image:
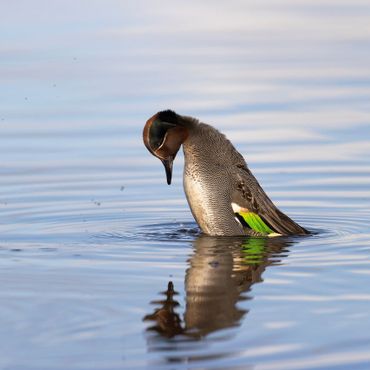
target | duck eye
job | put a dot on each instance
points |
(157, 133)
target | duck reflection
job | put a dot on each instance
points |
(221, 273)
(167, 321)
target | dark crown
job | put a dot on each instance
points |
(168, 116)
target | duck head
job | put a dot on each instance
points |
(163, 135)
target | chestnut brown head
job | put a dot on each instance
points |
(163, 135)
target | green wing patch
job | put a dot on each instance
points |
(253, 250)
(255, 222)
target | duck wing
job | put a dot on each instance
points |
(254, 208)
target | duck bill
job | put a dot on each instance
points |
(168, 164)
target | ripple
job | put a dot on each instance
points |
(336, 226)
(170, 232)
(91, 236)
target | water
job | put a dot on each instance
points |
(102, 265)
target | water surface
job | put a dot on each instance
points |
(101, 263)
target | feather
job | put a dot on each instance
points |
(255, 222)
(256, 208)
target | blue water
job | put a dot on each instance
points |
(101, 263)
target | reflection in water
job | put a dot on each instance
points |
(221, 270)
(168, 322)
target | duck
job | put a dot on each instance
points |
(223, 195)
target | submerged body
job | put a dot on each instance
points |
(223, 195)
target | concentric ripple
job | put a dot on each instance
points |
(101, 263)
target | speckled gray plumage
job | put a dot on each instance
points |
(215, 175)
